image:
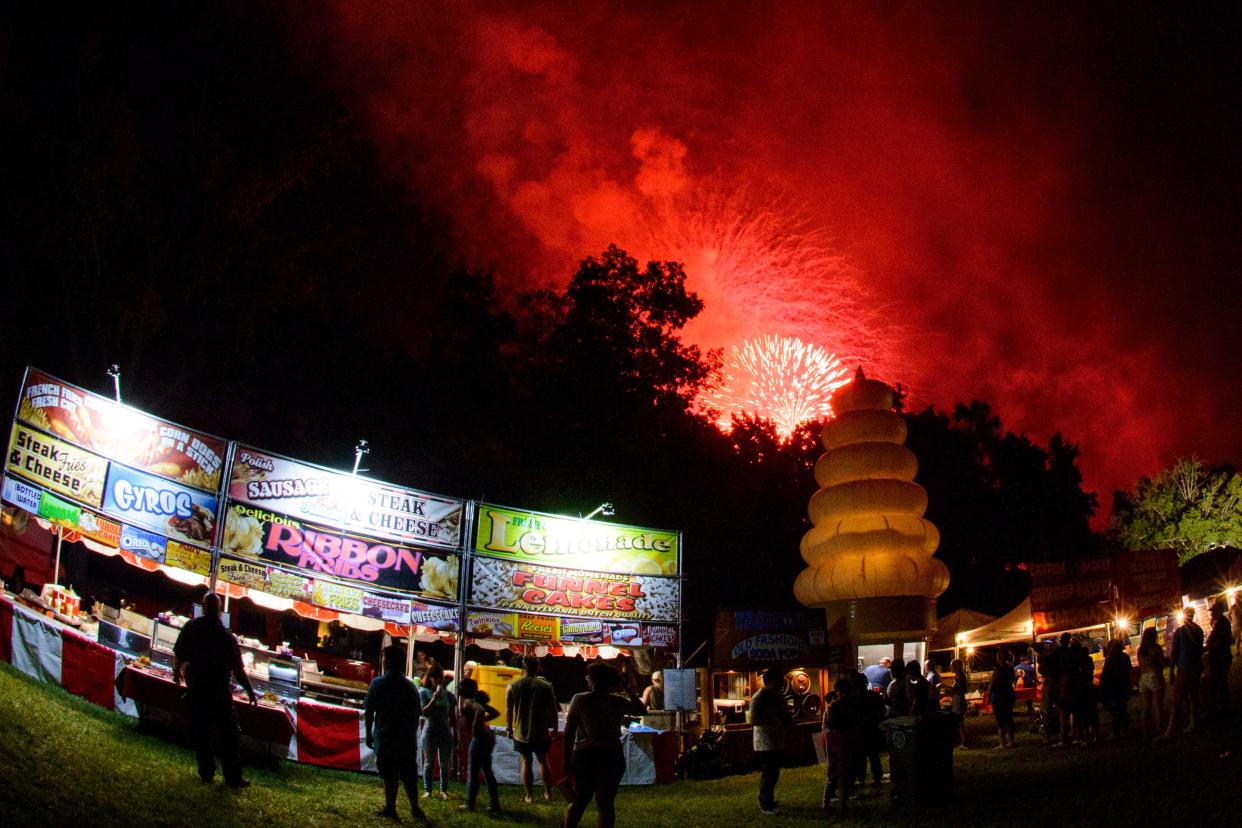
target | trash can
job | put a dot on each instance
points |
(920, 757)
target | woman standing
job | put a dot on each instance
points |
(1151, 682)
(957, 697)
(1002, 696)
(435, 741)
(477, 712)
(593, 743)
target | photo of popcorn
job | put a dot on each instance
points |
(439, 577)
(243, 534)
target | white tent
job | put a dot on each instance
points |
(958, 622)
(1014, 625)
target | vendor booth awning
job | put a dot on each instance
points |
(1014, 625)
(957, 623)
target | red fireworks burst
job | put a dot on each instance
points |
(777, 378)
(762, 266)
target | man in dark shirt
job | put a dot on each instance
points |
(879, 675)
(1219, 646)
(392, 710)
(208, 654)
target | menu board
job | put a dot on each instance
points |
(343, 501)
(1148, 582)
(508, 585)
(121, 433)
(552, 540)
(680, 692)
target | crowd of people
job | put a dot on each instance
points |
(1062, 675)
(413, 724)
(595, 762)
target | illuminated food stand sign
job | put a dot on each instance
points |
(553, 540)
(109, 462)
(331, 526)
(343, 501)
(538, 577)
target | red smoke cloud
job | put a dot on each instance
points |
(969, 198)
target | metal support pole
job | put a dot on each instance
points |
(463, 587)
(217, 540)
(60, 534)
(678, 723)
(363, 448)
(409, 650)
(114, 371)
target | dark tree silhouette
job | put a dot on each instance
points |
(1000, 501)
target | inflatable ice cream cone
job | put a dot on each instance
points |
(869, 551)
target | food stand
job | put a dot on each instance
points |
(568, 588)
(749, 642)
(318, 569)
(274, 536)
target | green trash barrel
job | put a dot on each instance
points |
(920, 757)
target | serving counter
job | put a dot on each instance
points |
(267, 721)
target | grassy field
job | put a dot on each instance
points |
(63, 760)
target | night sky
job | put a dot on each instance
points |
(1033, 204)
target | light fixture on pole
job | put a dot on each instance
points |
(359, 450)
(114, 371)
(604, 509)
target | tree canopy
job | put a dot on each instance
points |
(1000, 500)
(1190, 507)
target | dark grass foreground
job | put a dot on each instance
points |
(65, 761)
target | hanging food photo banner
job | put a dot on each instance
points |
(62, 513)
(344, 501)
(56, 465)
(523, 626)
(300, 586)
(160, 505)
(252, 532)
(508, 585)
(118, 432)
(189, 558)
(436, 616)
(551, 540)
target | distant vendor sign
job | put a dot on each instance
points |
(753, 639)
